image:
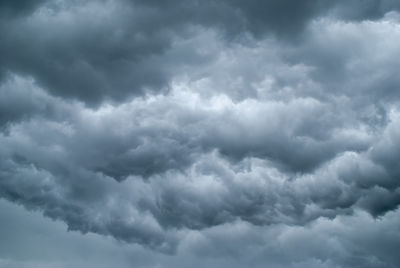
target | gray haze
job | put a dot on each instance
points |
(228, 133)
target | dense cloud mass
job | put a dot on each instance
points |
(200, 133)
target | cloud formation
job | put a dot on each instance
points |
(217, 129)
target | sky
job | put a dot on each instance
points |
(188, 133)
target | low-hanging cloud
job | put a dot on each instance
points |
(174, 126)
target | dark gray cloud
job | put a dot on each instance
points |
(97, 50)
(201, 133)
(15, 8)
(216, 247)
(73, 54)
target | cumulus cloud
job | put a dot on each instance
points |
(214, 129)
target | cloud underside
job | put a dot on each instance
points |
(173, 126)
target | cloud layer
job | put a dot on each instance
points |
(215, 132)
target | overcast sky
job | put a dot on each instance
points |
(199, 133)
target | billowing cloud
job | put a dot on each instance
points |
(97, 50)
(216, 132)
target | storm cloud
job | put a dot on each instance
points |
(200, 133)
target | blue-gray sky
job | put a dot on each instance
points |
(199, 133)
